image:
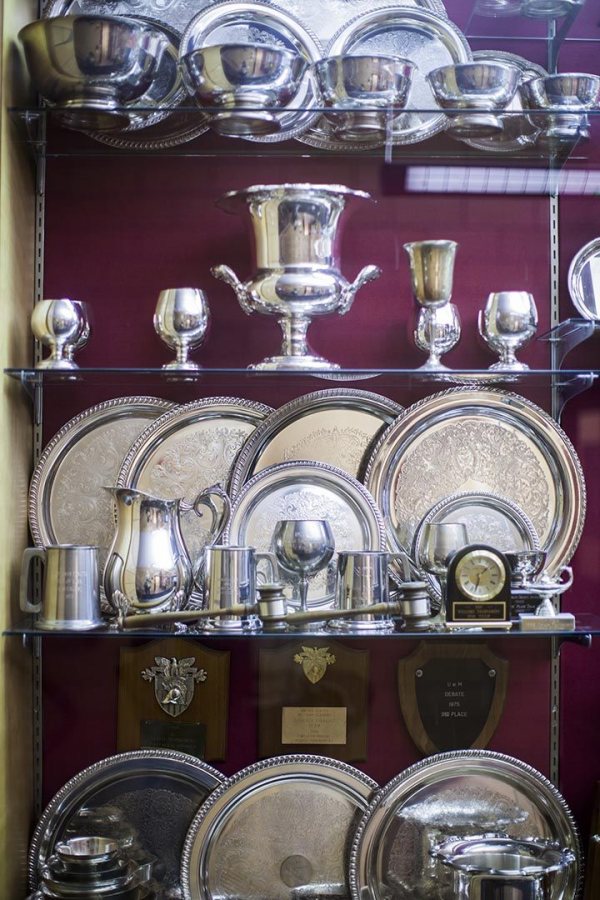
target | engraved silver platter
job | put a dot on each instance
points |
(307, 490)
(261, 22)
(336, 427)
(458, 794)
(188, 449)
(274, 826)
(425, 38)
(158, 792)
(467, 439)
(584, 280)
(518, 132)
(67, 500)
(490, 519)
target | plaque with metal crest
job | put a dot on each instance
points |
(452, 695)
(312, 698)
(174, 694)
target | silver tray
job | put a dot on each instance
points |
(274, 826)
(426, 38)
(584, 280)
(188, 449)
(158, 792)
(489, 440)
(458, 794)
(336, 427)
(307, 490)
(490, 519)
(258, 21)
(67, 500)
(519, 132)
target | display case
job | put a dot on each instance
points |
(114, 224)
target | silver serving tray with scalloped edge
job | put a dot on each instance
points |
(458, 794)
(274, 826)
(584, 280)
(158, 792)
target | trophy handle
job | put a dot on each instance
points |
(368, 273)
(226, 274)
(219, 510)
(24, 601)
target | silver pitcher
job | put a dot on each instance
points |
(296, 232)
(148, 567)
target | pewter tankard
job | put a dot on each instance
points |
(148, 567)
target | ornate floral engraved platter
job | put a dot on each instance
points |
(458, 794)
(67, 500)
(189, 449)
(584, 280)
(467, 439)
(157, 792)
(273, 827)
(335, 427)
(307, 490)
(490, 519)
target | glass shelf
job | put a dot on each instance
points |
(569, 334)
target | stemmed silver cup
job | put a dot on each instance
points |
(438, 324)
(508, 321)
(303, 547)
(181, 320)
(63, 326)
(440, 541)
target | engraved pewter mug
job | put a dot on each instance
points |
(228, 578)
(148, 568)
(362, 580)
(70, 595)
(296, 235)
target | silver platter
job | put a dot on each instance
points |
(273, 827)
(584, 280)
(258, 21)
(458, 794)
(425, 38)
(157, 791)
(518, 133)
(487, 440)
(67, 500)
(188, 449)
(336, 427)
(307, 490)
(490, 519)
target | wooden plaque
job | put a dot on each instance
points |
(174, 693)
(452, 695)
(312, 698)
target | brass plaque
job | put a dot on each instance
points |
(174, 694)
(313, 695)
(452, 695)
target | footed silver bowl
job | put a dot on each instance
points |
(561, 102)
(88, 67)
(479, 88)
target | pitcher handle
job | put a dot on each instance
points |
(24, 601)
(220, 516)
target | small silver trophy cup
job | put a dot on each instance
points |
(181, 320)
(438, 324)
(63, 326)
(507, 322)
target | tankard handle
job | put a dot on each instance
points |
(216, 500)
(24, 602)
(273, 567)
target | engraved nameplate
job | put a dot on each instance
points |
(313, 725)
(187, 738)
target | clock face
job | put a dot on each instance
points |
(480, 575)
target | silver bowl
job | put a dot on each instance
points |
(89, 67)
(480, 88)
(549, 9)
(367, 92)
(244, 82)
(561, 102)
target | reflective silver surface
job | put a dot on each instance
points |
(507, 322)
(228, 577)
(60, 325)
(89, 66)
(307, 490)
(572, 93)
(485, 86)
(549, 9)
(275, 826)
(362, 580)
(181, 320)
(459, 794)
(157, 792)
(437, 332)
(431, 271)
(296, 237)
(303, 547)
(70, 596)
(584, 280)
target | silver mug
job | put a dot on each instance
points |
(362, 580)
(70, 596)
(228, 578)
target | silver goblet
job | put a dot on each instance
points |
(432, 271)
(303, 547)
(181, 320)
(437, 331)
(441, 540)
(508, 321)
(61, 325)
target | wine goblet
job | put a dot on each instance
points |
(61, 325)
(303, 547)
(440, 541)
(437, 331)
(181, 320)
(508, 321)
